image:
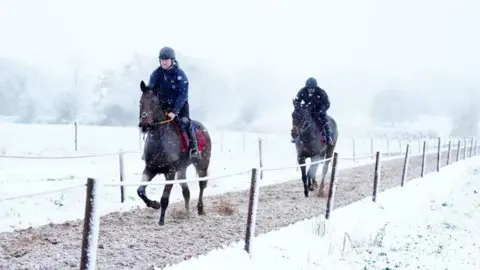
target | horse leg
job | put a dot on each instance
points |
(165, 197)
(312, 172)
(301, 162)
(147, 176)
(182, 174)
(328, 157)
(202, 171)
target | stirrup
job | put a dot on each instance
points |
(194, 153)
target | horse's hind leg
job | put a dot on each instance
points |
(147, 176)
(165, 197)
(182, 174)
(328, 157)
(202, 171)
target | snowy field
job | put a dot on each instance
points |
(434, 227)
(34, 170)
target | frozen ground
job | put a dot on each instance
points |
(431, 223)
(232, 153)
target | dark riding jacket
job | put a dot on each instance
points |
(171, 86)
(317, 103)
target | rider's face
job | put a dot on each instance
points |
(166, 63)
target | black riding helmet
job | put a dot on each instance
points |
(166, 53)
(311, 83)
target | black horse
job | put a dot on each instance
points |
(309, 144)
(166, 152)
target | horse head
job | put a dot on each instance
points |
(150, 109)
(301, 116)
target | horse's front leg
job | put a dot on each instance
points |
(325, 167)
(165, 197)
(312, 171)
(301, 162)
(147, 176)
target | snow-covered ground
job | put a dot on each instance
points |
(233, 152)
(431, 223)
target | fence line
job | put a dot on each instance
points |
(122, 183)
(91, 218)
(254, 196)
(41, 193)
(244, 140)
(69, 157)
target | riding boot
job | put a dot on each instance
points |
(294, 134)
(327, 133)
(194, 153)
(143, 153)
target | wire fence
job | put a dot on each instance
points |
(470, 148)
(262, 169)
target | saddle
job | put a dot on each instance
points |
(185, 142)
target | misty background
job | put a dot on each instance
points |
(384, 64)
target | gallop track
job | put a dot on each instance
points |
(132, 240)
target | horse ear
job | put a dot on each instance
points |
(143, 87)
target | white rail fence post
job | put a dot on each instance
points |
(91, 223)
(121, 172)
(260, 156)
(252, 211)
(405, 165)
(76, 136)
(376, 176)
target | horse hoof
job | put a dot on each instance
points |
(311, 188)
(161, 223)
(155, 205)
(306, 193)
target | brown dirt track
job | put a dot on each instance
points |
(132, 240)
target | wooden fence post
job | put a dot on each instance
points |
(471, 148)
(449, 152)
(424, 158)
(252, 210)
(439, 153)
(405, 166)
(76, 136)
(459, 145)
(91, 223)
(376, 176)
(122, 172)
(260, 156)
(332, 188)
(476, 148)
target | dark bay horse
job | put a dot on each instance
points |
(309, 144)
(166, 152)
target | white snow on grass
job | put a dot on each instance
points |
(232, 152)
(431, 223)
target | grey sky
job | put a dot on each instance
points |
(392, 38)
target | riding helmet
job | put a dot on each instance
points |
(166, 53)
(311, 83)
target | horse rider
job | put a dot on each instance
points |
(316, 100)
(170, 83)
